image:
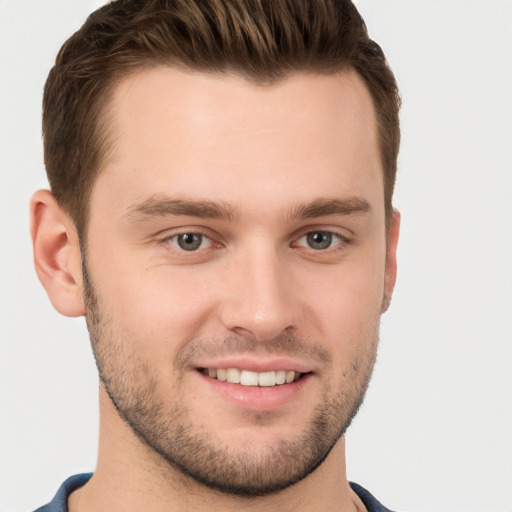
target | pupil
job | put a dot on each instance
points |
(189, 241)
(319, 240)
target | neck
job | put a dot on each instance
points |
(129, 476)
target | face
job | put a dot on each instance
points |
(236, 270)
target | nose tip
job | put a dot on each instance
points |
(262, 327)
(262, 314)
(261, 303)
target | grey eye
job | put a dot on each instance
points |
(190, 241)
(319, 240)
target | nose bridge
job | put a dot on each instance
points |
(260, 302)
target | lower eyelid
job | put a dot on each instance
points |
(172, 239)
(338, 239)
(336, 236)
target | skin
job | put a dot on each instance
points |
(262, 155)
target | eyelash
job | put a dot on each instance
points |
(171, 238)
(342, 241)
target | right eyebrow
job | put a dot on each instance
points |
(160, 206)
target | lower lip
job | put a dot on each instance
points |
(258, 398)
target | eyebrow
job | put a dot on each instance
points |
(158, 206)
(324, 207)
(162, 206)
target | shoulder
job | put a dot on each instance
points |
(60, 501)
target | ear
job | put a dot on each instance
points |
(57, 258)
(391, 266)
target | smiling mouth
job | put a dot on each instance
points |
(249, 378)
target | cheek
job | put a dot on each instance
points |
(161, 309)
(346, 294)
(346, 310)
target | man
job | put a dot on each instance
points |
(221, 213)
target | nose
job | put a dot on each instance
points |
(260, 300)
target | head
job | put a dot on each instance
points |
(223, 174)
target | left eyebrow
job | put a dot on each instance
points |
(158, 206)
(323, 207)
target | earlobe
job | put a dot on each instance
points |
(391, 263)
(57, 258)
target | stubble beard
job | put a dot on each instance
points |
(195, 451)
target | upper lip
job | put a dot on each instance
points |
(259, 365)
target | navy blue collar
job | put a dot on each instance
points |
(60, 502)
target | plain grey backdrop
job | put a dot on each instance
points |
(435, 432)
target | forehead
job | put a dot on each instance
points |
(221, 137)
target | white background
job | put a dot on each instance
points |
(435, 433)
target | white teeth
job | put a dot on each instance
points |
(290, 375)
(280, 377)
(249, 378)
(267, 379)
(233, 375)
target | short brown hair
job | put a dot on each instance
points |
(261, 40)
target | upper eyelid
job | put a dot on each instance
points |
(342, 239)
(330, 232)
(170, 243)
(190, 232)
(199, 233)
(345, 235)
(205, 239)
(168, 233)
(167, 238)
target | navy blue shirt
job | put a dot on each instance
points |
(60, 502)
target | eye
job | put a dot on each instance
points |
(190, 241)
(320, 240)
